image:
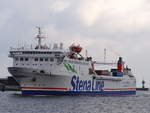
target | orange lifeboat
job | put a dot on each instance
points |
(76, 49)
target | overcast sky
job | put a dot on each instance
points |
(120, 26)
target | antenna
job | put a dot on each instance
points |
(143, 83)
(105, 55)
(86, 53)
(39, 37)
(18, 44)
(61, 46)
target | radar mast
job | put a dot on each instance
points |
(39, 37)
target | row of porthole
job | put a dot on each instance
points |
(33, 64)
(36, 59)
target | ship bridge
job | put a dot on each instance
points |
(38, 56)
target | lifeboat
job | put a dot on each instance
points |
(76, 49)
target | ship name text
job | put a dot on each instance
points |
(86, 85)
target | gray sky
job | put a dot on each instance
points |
(121, 26)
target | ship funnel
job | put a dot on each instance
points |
(120, 65)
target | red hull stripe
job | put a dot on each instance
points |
(67, 89)
(119, 89)
(43, 88)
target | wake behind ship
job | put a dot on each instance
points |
(55, 71)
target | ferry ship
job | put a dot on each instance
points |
(43, 70)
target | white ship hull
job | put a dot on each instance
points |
(46, 84)
(46, 70)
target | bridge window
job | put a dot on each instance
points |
(36, 59)
(34, 64)
(41, 59)
(21, 59)
(42, 71)
(46, 59)
(16, 59)
(26, 59)
(51, 59)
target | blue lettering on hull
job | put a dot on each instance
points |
(86, 85)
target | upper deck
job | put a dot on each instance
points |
(27, 52)
(38, 50)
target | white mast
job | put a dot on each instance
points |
(86, 54)
(39, 37)
(105, 55)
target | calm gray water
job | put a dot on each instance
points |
(15, 103)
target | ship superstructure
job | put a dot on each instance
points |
(55, 71)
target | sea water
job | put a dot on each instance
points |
(12, 102)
